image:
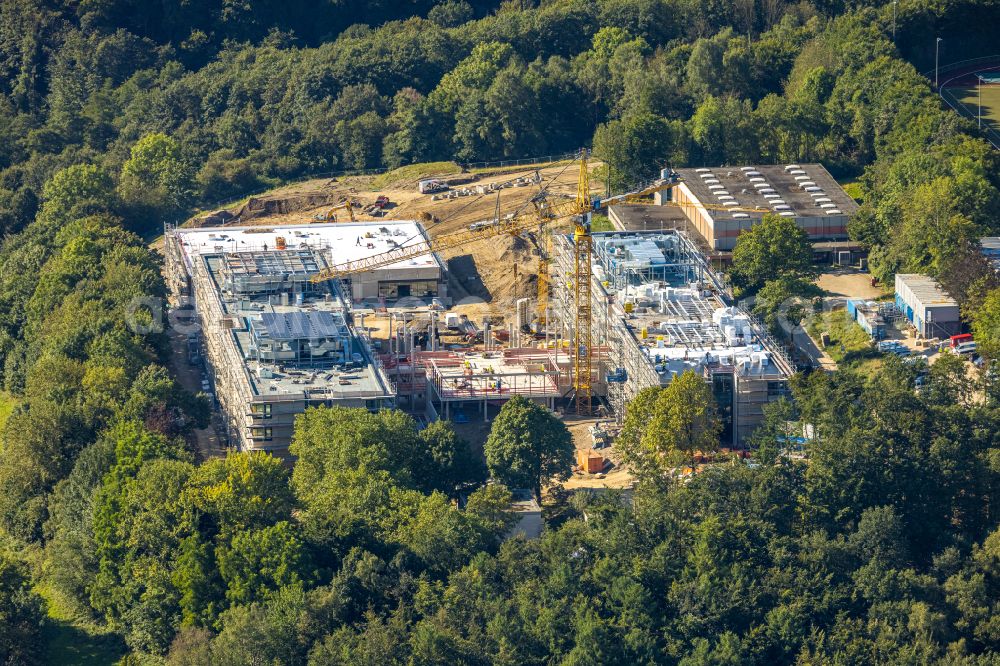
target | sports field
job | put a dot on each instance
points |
(969, 97)
(963, 89)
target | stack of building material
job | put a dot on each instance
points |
(590, 461)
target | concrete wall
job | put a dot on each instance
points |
(366, 285)
(697, 214)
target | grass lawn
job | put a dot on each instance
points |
(7, 404)
(853, 189)
(600, 223)
(991, 103)
(70, 642)
(414, 172)
(848, 341)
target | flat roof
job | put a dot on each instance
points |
(678, 326)
(303, 325)
(926, 289)
(347, 241)
(648, 217)
(320, 312)
(805, 190)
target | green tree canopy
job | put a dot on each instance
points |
(20, 615)
(666, 426)
(986, 325)
(157, 176)
(782, 303)
(776, 247)
(76, 192)
(527, 446)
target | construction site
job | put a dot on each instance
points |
(658, 311)
(502, 291)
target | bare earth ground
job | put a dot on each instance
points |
(849, 283)
(483, 270)
(615, 475)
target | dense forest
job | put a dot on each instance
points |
(120, 114)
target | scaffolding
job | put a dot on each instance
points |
(300, 338)
(654, 291)
(455, 379)
(583, 367)
(632, 259)
(316, 357)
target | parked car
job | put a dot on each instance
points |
(965, 348)
(893, 347)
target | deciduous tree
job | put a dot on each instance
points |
(775, 247)
(528, 446)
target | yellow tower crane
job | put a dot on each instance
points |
(583, 273)
(544, 256)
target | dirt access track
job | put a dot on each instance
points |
(482, 270)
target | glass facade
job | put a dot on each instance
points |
(408, 289)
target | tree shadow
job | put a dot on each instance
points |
(69, 645)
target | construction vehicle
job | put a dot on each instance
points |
(377, 208)
(544, 213)
(331, 214)
(430, 186)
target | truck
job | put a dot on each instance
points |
(956, 340)
(430, 186)
(378, 208)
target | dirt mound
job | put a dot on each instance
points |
(216, 219)
(488, 270)
(483, 270)
(267, 206)
(407, 176)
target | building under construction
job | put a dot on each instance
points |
(276, 339)
(473, 380)
(658, 310)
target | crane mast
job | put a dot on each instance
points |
(544, 253)
(583, 246)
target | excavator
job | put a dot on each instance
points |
(331, 215)
(544, 213)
